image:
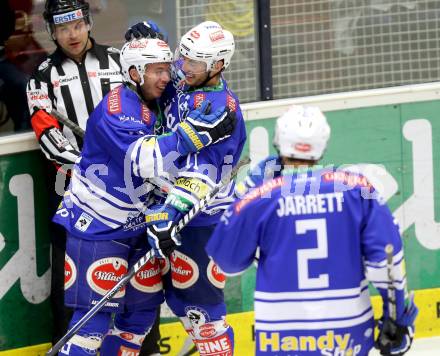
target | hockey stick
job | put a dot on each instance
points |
(391, 291)
(69, 123)
(144, 259)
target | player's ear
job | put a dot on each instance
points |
(134, 74)
(218, 66)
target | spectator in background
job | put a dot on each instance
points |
(12, 80)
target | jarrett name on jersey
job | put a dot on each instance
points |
(317, 234)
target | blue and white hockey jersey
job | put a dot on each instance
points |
(108, 193)
(201, 171)
(321, 236)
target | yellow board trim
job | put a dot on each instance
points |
(174, 337)
(35, 350)
(427, 324)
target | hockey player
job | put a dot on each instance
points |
(103, 210)
(321, 234)
(194, 289)
(72, 80)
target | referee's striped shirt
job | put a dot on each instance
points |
(74, 89)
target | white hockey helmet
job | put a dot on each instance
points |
(302, 133)
(140, 52)
(208, 42)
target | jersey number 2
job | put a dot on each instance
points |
(319, 252)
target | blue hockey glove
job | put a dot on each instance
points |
(266, 169)
(146, 29)
(395, 337)
(202, 129)
(161, 224)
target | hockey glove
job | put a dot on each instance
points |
(161, 225)
(146, 29)
(55, 146)
(202, 129)
(395, 337)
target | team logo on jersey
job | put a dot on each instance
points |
(70, 272)
(217, 35)
(197, 316)
(148, 278)
(114, 101)
(199, 98)
(83, 222)
(215, 275)
(184, 270)
(146, 115)
(102, 275)
(230, 102)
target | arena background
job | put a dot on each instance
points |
(326, 53)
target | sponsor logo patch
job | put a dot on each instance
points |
(184, 270)
(192, 185)
(219, 346)
(199, 98)
(258, 192)
(148, 279)
(347, 178)
(102, 275)
(138, 44)
(195, 34)
(114, 101)
(83, 222)
(217, 35)
(70, 272)
(68, 16)
(303, 147)
(215, 275)
(230, 102)
(146, 115)
(127, 351)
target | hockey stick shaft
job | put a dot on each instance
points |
(69, 123)
(143, 261)
(391, 291)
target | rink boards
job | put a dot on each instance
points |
(394, 133)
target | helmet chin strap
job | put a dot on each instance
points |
(208, 78)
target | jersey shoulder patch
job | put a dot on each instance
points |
(44, 65)
(347, 178)
(114, 101)
(258, 192)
